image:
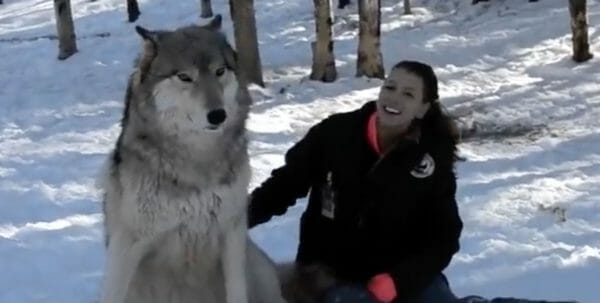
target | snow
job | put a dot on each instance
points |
(529, 198)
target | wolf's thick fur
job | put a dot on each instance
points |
(176, 184)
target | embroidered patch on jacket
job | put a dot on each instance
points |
(328, 199)
(425, 168)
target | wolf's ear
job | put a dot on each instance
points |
(147, 35)
(150, 40)
(231, 58)
(215, 24)
(149, 52)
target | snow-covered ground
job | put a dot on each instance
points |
(503, 67)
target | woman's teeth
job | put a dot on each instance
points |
(391, 110)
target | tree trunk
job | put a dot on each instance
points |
(370, 61)
(407, 10)
(579, 28)
(133, 10)
(67, 45)
(246, 40)
(206, 7)
(323, 66)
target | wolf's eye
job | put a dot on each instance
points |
(184, 77)
(220, 71)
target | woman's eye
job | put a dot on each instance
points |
(389, 87)
(184, 77)
(408, 94)
(220, 72)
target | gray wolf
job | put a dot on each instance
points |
(175, 186)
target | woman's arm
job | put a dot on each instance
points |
(290, 181)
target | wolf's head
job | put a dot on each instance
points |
(186, 83)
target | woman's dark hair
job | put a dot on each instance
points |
(436, 120)
(426, 73)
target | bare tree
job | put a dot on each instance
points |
(244, 30)
(579, 28)
(133, 10)
(323, 66)
(370, 60)
(407, 10)
(67, 45)
(206, 8)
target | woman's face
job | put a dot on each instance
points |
(401, 99)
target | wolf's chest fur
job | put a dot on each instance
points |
(186, 218)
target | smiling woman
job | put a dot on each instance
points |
(382, 218)
(404, 99)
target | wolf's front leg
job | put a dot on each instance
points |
(123, 257)
(234, 263)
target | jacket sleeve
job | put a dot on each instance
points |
(412, 275)
(288, 182)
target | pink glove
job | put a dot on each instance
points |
(382, 286)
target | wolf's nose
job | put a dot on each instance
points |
(216, 116)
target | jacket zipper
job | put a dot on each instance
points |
(361, 216)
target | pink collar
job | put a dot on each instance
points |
(372, 133)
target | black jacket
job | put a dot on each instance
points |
(387, 215)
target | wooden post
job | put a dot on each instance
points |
(323, 65)
(246, 40)
(67, 45)
(370, 60)
(133, 10)
(206, 9)
(579, 28)
(407, 10)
